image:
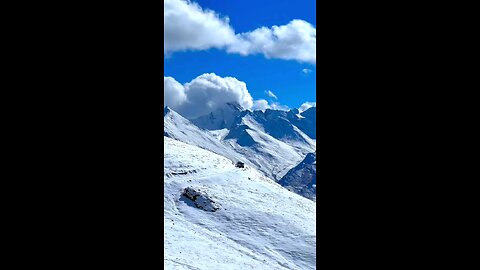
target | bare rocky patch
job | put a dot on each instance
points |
(200, 199)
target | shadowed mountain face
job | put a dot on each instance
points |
(241, 134)
(221, 118)
(305, 121)
(166, 110)
(302, 179)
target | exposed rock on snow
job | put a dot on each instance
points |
(200, 199)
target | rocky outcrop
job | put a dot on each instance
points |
(200, 199)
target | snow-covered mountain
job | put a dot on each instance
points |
(305, 121)
(269, 141)
(179, 128)
(277, 124)
(217, 216)
(270, 156)
(282, 125)
(302, 179)
(221, 118)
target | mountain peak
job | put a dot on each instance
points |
(310, 111)
(295, 111)
(235, 106)
(222, 117)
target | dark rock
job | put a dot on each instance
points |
(200, 199)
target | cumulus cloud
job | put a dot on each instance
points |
(306, 71)
(205, 94)
(187, 26)
(271, 94)
(261, 105)
(307, 105)
(208, 92)
(293, 41)
(174, 92)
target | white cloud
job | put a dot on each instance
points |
(261, 105)
(306, 70)
(278, 106)
(271, 94)
(174, 93)
(307, 105)
(209, 92)
(205, 94)
(187, 26)
(293, 41)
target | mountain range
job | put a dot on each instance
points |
(276, 143)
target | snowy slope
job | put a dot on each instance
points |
(179, 128)
(260, 225)
(269, 141)
(302, 179)
(220, 134)
(269, 155)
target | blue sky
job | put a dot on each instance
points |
(285, 78)
(246, 15)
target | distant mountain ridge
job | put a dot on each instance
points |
(230, 113)
(221, 118)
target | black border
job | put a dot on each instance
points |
(88, 155)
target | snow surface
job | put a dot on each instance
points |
(269, 141)
(220, 133)
(260, 224)
(272, 157)
(179, 128)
